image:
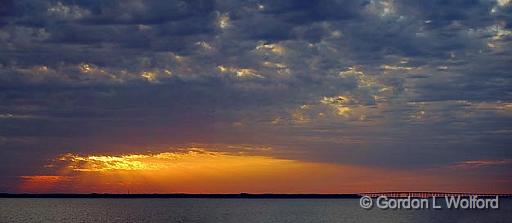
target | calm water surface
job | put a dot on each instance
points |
(229, 210)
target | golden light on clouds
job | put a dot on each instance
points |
(281, 68)
(340, 103)
(188, 170)
(85, 68)
(274, 65)
(92, 69)
(274, 48)
(363, 80)
(198, 170)
(239, 72)
(148, 75)
(223, 21)
(193, 158)
(153, 76)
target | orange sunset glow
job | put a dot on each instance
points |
(197, 170)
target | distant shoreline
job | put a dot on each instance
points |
(181, 195)
(241, 195)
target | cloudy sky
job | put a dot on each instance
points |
(257, 96)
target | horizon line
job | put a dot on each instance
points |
(236, 195)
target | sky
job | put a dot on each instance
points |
(255, 96)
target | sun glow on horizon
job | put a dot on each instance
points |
(199, 170)
(188, 170)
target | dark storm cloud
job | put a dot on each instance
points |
(385, 83)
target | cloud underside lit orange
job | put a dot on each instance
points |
(203, 171)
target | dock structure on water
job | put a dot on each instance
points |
(404, 194)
